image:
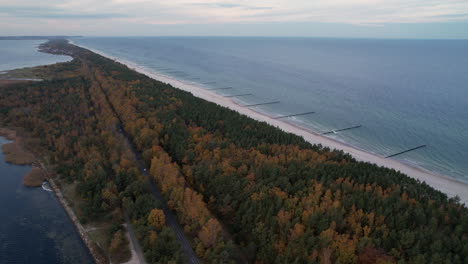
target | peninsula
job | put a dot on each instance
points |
(195, 181)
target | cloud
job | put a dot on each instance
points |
(244, 11)
(55, 13)
(231, 5)
(153, 14)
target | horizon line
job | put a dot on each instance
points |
(227, 36)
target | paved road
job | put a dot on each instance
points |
(170, 218)
(171, 221)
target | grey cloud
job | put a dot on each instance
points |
(273, 14)
(231, 5)
(453, 16)
(54, 13)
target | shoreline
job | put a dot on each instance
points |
(93, 249)
(14, 152)
(11, 135)
(448, 185)
(98, 259)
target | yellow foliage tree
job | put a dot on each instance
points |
(297, 231)
(210, 232)
(156, 218)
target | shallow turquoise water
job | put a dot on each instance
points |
(404, 93)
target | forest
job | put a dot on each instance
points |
(243, 191)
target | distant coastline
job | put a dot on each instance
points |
(450, 186)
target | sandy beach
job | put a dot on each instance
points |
(450, 186)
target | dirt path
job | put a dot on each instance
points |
(135, 248)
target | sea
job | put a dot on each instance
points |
(15, 54)
(34, 228)
(401, 93)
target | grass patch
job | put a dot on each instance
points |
(34, 178)
(16, 154)
(113, 243)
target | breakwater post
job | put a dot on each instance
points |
(301, 114)
(238, 95)
(223, 88)
(343, 129)
(405, 151)
(267, 103)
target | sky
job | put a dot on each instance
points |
(305, 18)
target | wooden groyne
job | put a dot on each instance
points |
(222, 88)
(267, 103)
(301, 114)
(171, 71)
(343, 129)
(238, 95)
(176, 73)
(405, 151)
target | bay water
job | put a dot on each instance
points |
(34, 228)
(15, 54)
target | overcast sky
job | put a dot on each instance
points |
(316, 18)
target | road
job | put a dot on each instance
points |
(171, 221)
(170, 218)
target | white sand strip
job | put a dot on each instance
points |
(446, 184)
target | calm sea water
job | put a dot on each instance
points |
(404, 93)
(34, 228)
(16, 54)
